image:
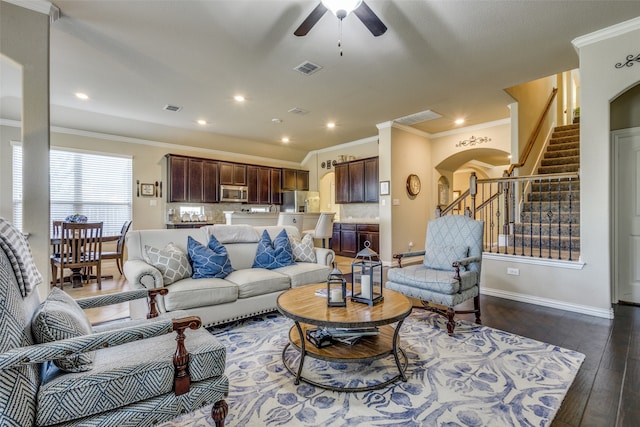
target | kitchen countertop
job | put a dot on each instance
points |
(359, 221)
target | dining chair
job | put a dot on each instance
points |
(80, 247)
(118, 254)
(324, 228)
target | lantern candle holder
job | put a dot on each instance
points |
(336, 289)
(366, 273)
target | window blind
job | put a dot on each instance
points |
(95, 185)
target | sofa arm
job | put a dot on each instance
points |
(325, 256)
(142, 275)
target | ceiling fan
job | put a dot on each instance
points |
(341, 9)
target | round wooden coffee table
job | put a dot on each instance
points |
(309, 311)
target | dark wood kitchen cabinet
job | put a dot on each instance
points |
(293, 179)
(371, 180)
(349, 239)
(357, 181)
(264, 185)
(342, 183)
(276, 186)
(233, 173)
(210, 185)
(178, 173)
(192, 180)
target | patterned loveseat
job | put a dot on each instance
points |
(129, 374)
(246, 291)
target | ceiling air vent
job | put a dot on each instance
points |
(297, 110)
(420, 117)
(307, 68)
(173, 108)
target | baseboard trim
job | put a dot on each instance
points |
(546, 302)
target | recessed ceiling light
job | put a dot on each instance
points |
(459, 121)
(331, 125)
(201, 122)
(285, 139)
(81, 95)
(239, 98)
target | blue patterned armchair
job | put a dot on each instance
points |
(58, 370)
(450, 272)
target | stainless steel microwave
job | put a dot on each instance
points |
(234, 193)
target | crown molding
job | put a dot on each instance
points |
(167, 145)
(606, 33)
(340, 147)
(473, 128)
(40, 6)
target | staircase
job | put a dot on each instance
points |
(550, 214)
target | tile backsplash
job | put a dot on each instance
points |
(359, 211)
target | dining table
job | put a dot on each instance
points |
(77, 276)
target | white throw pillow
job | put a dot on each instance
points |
(171, 261)
(303, 250)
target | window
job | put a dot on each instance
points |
(95, 185)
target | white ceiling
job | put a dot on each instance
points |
(453, 57)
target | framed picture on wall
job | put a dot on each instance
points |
(384, 188)
(147, 189)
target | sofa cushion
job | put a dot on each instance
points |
(258, 281)
(441, 257)
(303, 250)
(171, 261)
(60, 317)
(189, 293)
(304, 273)
(208, 261)
(125, 374)
(274, 254)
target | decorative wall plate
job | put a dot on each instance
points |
(413, 185)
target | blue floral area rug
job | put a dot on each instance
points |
(478, 377)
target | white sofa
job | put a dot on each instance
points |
(245, 292)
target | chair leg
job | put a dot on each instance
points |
(54, 275)
(450, 323)
(323, 243)
(476, 307)
(99, 276)
(119, 265)
(219, 412)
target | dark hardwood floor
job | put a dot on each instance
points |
(606, 391)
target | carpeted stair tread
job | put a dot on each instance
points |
(564, 217)
(572, 167)
(555, 161)
(561, 134)
(553, 206)
(553, 196)
(571, 152)
(564, 146)
(547, 229)
(554, 243)
(564, 139)
(554, 185)
(563, 128)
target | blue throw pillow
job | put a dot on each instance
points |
(208, 261)
(273, 255)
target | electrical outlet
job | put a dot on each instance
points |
(410, 246)
(395, 202)
(513, 271)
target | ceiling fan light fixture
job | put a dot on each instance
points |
(341, 8)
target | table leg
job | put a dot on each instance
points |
(303, 352)
(396, 340)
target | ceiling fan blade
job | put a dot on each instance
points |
(311, 20)
(370, 20)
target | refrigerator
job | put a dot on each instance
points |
(300, 201)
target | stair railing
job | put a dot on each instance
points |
(548, 224)
(534, 134)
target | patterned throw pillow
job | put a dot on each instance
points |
(273, 255)
(171, 261)
(441, 257)
(303, 250)
(60, 317)
(209, 261)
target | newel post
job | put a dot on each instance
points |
(473, 190)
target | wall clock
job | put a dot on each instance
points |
(413, 185)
